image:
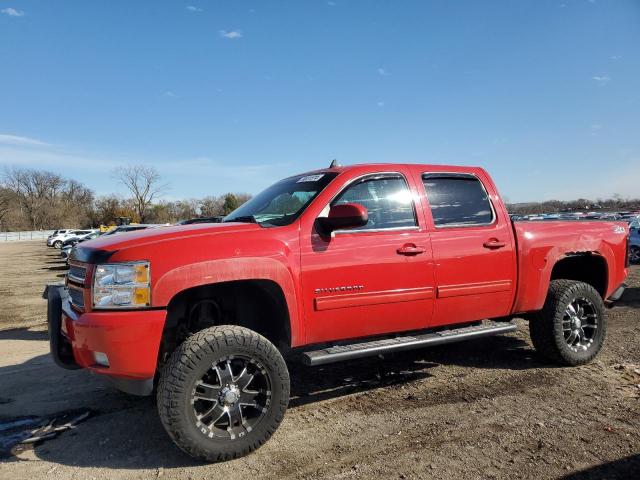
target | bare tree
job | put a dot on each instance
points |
(75, 204)
(36, 192)
(185, 209)
(6, 197)
(211, 206)
(223, 205)
(143, 182)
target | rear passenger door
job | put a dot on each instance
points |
(472, 245)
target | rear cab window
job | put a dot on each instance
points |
(458, 200)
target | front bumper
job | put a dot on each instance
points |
(129, 340)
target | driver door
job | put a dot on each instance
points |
(374, 279)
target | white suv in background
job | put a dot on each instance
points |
(57, 239)
(56, 233)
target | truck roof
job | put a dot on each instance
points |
(391, 166)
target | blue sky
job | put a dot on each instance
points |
(233, 95)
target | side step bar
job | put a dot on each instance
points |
(399, 344)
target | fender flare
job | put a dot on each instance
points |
(227, 270)
(554, 257)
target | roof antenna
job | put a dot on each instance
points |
(334, 163)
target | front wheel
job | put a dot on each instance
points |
(57, 244)
(634, 254)
(223, 393)
(571, 327)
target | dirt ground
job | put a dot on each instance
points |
(481, 409)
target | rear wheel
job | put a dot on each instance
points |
(223, 393)
(570, 329)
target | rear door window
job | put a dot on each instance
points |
(457, 200)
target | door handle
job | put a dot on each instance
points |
(494, 243)
(410, 249)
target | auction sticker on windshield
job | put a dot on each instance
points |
(310, 178)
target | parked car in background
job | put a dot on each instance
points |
(50, 238)
(80, 238)
(58, 240)
(66, 251)
(632, 219)
(634, 243)
(630, 216)
(68, 245)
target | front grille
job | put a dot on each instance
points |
(77, 297)
(77, 274)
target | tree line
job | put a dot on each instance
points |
(41, 200)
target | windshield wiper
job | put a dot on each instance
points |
(243, 219)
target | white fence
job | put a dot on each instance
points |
(22, 236)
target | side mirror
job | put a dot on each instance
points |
(346, 215)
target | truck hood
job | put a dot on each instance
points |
(101, 248)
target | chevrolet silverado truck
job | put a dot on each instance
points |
(330, 265)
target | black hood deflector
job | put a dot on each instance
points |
(91, 255)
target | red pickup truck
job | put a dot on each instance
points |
(330, 265)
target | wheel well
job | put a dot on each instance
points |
(584, 267)
(259, 305)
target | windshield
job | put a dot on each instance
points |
(282, 202)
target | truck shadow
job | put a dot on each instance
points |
(59, 267)
(617, 470)
(630, 298)
(24, 334)
(126, 433)
(311, 384)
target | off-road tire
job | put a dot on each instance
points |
(546, 327)
(57, 244)
(184, 368)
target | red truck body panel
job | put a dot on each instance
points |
(354, 283)
(542, 244)
(472, 281)
(129, 339)
(384, 292)
(192, 255)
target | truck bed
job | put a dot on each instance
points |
(540, 244)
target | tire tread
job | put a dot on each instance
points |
(548, 340)
(185, 359)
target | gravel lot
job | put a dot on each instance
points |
(482, 409)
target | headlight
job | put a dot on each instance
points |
(122, 285)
